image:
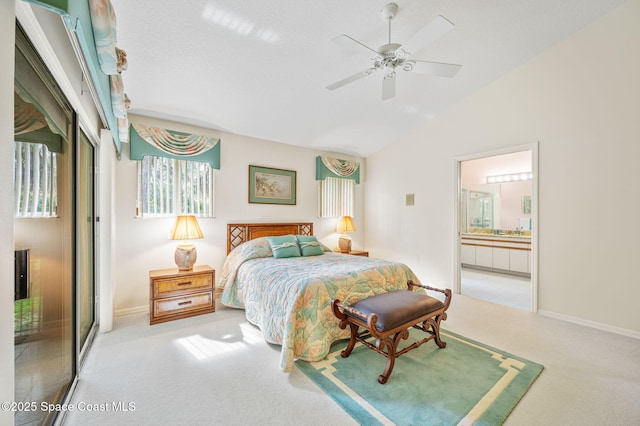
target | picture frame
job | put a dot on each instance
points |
(272, 186)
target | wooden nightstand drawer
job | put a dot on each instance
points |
(177, 294)
(183, 305)
(165, 287)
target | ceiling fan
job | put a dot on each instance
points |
(392, 56)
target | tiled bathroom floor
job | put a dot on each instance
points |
(509, 290)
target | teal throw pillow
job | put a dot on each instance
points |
(286, 246)
(309, 245)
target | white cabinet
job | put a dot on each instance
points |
(484, 256)
(497, 253)
(468, 254)
(519, 260)
(501, 258)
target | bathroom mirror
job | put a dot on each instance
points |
(495, 206)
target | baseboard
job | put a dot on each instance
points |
(130, 311)
(497, 271)
(592, 324)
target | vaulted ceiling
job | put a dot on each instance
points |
(260, 68)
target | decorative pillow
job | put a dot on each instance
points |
(309, 245)
(286, 246)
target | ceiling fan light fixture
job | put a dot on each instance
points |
(408, 65)
(390, 56)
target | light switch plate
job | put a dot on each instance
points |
(409, 199)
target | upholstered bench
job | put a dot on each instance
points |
(388, 317)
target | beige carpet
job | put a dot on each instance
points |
(217, 369)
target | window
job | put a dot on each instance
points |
(34, 181)
(169, 187)
(336, 197)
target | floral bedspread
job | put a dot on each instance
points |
(290, 299)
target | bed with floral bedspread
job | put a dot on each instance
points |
(289, 299)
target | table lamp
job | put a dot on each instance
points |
(345, 224)
(186, 228)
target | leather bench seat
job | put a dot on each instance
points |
(396, 308)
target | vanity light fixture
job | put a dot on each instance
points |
(514, 177)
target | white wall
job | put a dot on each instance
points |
(7, 40)
(106, 229)
(143, 244)
(580, 100)
(476, 171)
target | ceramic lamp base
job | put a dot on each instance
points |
(344, 243)
(185, 258)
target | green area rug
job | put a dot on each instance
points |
(465, 383)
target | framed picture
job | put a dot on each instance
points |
(272, 186)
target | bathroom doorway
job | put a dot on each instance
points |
(496, 232)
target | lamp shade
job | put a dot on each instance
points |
(345, 224)
(186, 228)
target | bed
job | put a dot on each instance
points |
(289, 298)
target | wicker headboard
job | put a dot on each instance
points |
(238, 233)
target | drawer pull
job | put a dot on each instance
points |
(185, 283)
(188, 302)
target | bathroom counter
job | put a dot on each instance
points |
(493, 237)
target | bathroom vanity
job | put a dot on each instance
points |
(505, 253)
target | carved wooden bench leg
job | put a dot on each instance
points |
(352, 340)
(392, 348)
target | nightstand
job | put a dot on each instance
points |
(358, 253)
(178, 294)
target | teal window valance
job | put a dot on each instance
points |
(334, 167)
(157, 142)
(93, 21)
(37, 116)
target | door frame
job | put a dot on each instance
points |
(533, 147)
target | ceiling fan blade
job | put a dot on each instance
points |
(351, 79)
(389, 85)
(350, 42)
(432, 68)
(426, 35)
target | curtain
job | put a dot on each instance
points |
(334, 167)
(93, 24)
(30, 89)
(146, 140)
(26, 117)
(103, 23)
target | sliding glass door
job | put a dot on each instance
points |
(54, 210)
